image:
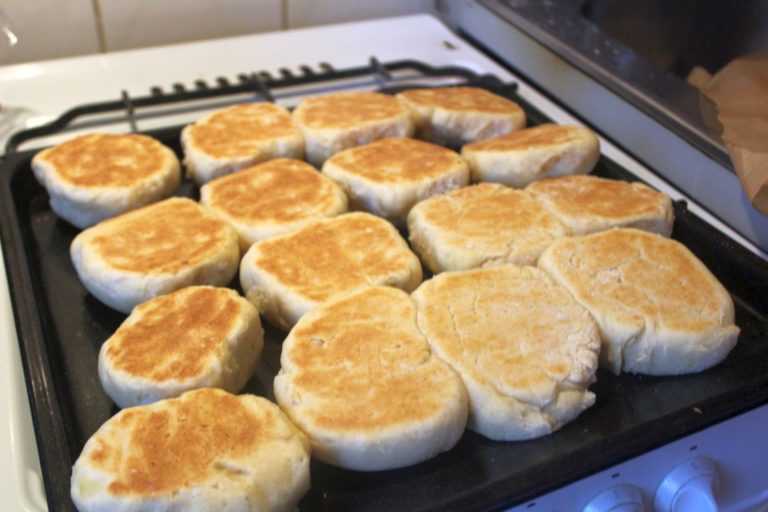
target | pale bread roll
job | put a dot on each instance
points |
(359, 379)
(342, 120)
(387, 177)
(206, 450)
(273, 198)
(154, 250)
(587, 204)
(660, 310)
(230, 139)
(479, 226)
(525, 349)
(285, 277)
(454, 116)
(527, 155)
(93, 177)
(197, 337)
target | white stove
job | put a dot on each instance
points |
(34, 94)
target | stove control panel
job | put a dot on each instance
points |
(723, 468)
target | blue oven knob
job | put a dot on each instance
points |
(621, 498)
(690, 487)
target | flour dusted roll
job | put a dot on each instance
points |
(527, 155)
(230, 139)
(481, 225)
(343, 120)
(525, 349)
(660, 310)
(285, 277)
(93, 177)
(587, 204)
(273, 198)
(206, 450)
(154, 250)
(359, 379)
(197, 337)
(454, 116)
(389, 176)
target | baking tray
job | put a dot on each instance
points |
(61, 327)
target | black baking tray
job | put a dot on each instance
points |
(61, 327)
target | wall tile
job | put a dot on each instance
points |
(138, 23)
(304, 13)
(49, 29)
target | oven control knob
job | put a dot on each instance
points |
(621, 498)
(690, 487)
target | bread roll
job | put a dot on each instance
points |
(587, 204)
(197, 337)
(359, 379)
(160, 248)
(273, 198)
(524, 156)
(206, 450)
(230, 139)
(480, 226)
(93, 177)
(660, 311)
(343, 120)
(454, 116)
(389, 176)
(526, 351)
(285, 277)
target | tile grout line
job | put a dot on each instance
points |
(284, 12)
(99, 19)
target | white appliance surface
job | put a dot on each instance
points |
(34, 94)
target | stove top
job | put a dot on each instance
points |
(39, 93)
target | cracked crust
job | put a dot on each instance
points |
(360, 380)
(481, 226)
(660, 310)
(206, 450)
(526, 350)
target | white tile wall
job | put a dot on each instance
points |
(137, 23)
(49, 29)
(304, 13)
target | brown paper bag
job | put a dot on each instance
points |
(740, 94)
